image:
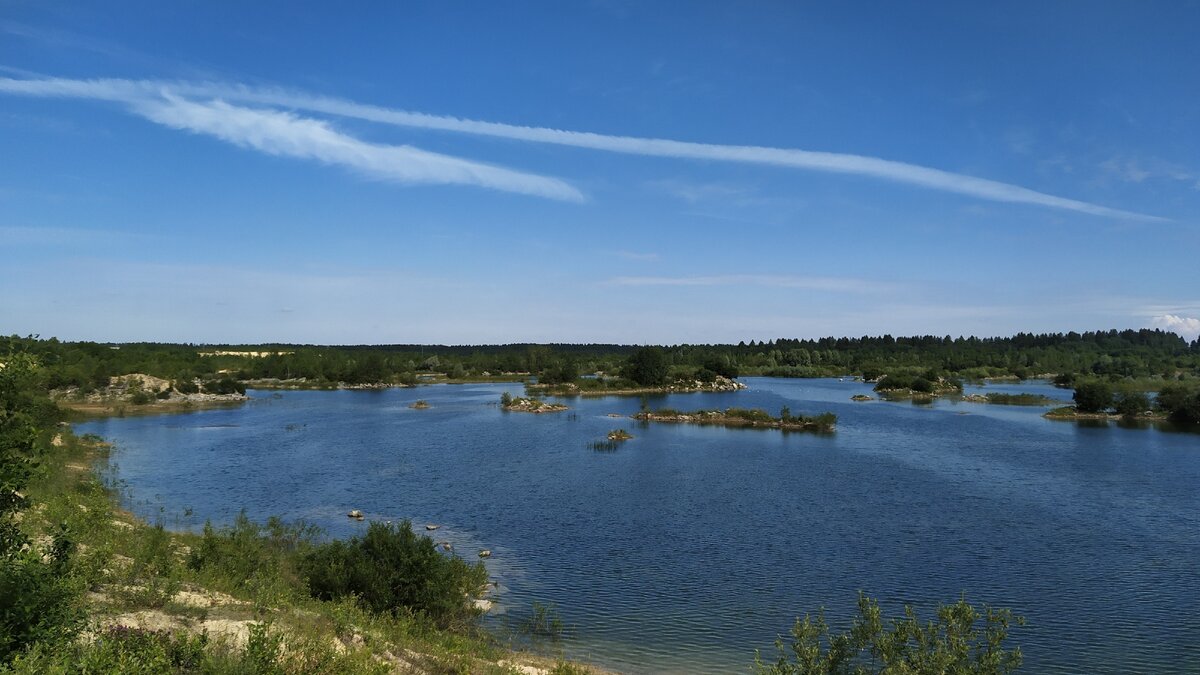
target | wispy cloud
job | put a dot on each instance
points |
(829, 162)
(286, 134)
(833, 284)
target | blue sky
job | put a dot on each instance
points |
(596, 171)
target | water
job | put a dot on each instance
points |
(690, 547)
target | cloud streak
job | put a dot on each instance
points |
(285, 134)
(826, 162)
(832, 284)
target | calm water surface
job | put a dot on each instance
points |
(690, 547)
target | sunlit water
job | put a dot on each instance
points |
(690, 547)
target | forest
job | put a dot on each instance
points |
(1147, 357)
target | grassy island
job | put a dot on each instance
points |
(530, 405)
(997, 398)
(924, 387)
(744, 417)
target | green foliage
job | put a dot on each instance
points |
(1093, 397)
(1131, 403)
(142, 652)
(647, 367)
(254, 558)
(543, 622)
(954, 643)
(392, 569)
(506, 399)
(921, 385)
(1181, 402)
(38, 603)
(1018, 399)
(225, 385)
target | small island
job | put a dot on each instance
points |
(743, 417)
(419, 404)
(862, 397)
(511, 403)
(997, 398)
(924, 387)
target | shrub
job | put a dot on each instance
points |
(952, 644)
(391, 569)
(1092, 397)
(38, 603)
(921, 385)
(1131, 403)
(1181, 402)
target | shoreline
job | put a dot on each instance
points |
(190, 605)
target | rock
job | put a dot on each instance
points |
(446, 546)
(485, 553)
(355, 514)
(431, 528)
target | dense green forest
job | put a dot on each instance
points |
(1149, 356)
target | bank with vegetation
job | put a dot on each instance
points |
(1100, 400)
(87, 588)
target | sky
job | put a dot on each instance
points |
(606, 171)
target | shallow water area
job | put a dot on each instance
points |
(689, 547)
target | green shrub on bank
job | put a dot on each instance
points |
(392, 569)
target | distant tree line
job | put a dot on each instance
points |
(1112, 356)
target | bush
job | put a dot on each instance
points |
(225, 385)
(921, 385)
(1181, 402)
(392, 569)
(38, 604)
(1131, 403)
(952, 644)
(1093, 397)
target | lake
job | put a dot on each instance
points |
(689, 547)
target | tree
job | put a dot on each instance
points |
(1131, 403)
(647, 367)
(952, 644)
(1093, 397)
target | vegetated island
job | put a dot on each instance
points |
(743, 417)
(646, 371)
(1099, 400)
(511, 403)
(141, 394)
(999, 398)
(924, 387)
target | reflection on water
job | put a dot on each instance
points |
(687, 548)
